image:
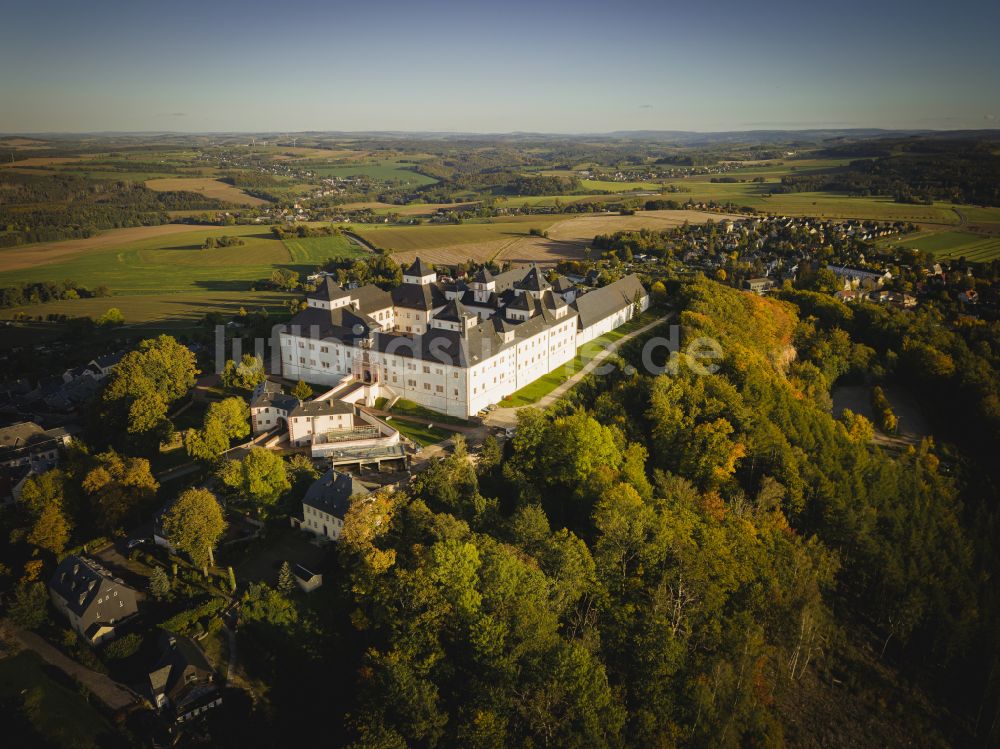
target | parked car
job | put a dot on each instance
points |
(133, 542)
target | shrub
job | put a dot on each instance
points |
(123, 647)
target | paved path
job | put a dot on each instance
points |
(504, 417)
(110, 692)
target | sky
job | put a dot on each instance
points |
(554, 67)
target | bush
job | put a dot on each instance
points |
(186, 620)
(123, 647)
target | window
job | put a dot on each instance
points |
(427, 370)
(440, 388)
(427, 386)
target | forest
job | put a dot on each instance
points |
(46, 208)
(922, 171)
(674, 559)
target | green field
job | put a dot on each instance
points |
(169, 310)
(312, 251)
(609, 186)
(955, 244)
(385, 171)
(61, 715)
(172, 263)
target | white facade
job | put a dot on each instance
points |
(443, 356)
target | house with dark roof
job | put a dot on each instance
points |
(182, 684)
(326, 503)
(27, 444)
(95, 601)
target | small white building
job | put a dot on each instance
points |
(327, 502)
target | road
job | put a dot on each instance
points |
(116, 696)
(505, 417)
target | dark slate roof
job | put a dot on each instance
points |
(562, 285)
(483, 275)
(268, 393)
(533, 281)
(80, 582)
(322, 408)
(343, 323)
(109, 360)
(600, 303)
(507, 279)
(328, 290)
(371, 298)
(523, 302)
(416, 296)
(450, 347)
(182, 673)
(419, 268)
(469, 300)
(332, 492)
(453, 312)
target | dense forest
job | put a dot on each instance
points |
(45, 208)
(682, 559)
(923, 171)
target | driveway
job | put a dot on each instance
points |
(505, 417)
(110, 692)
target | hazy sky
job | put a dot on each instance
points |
(580, 66)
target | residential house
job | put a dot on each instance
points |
(95, 602)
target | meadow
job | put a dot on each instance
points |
(307, 253)
(157, 263)
(956, 244)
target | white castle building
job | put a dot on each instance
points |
(451, 347)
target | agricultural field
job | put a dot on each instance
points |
(386, 171)
(955, 244)
(158, 263)
(171, 311)
(45, 253)
(451, 243)
(611, 186)
(569, 238)
(210, 188)
(309, 252)
(411, 209)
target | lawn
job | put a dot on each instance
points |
(385, 171)
(62, 716)
(422, 435)
(404, 407)
(535, 391)
(312, 251)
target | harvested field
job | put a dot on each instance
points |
(568, 238)
(452, 243)
(415, 209)
(46, 161)
(210, 188)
